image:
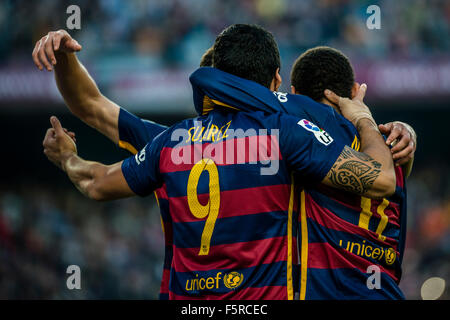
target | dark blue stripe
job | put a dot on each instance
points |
(163, 296)
(352, 216)
(273, 274)
(136, 131)
(168, 256)
(230, 178)
(319, 234)
(233, 229)
(164, 209)
(335, 207)
(348, 284)
(402, 194)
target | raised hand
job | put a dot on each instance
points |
(403, 139)
(355, 109)
(44, 52)
(58, 143)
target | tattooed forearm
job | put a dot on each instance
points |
(354, 171)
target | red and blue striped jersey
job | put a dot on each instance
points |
(231, 199)
(343, 238)
(134, 134)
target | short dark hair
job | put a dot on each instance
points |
(322, 68)
(247, 51)
(207, 58)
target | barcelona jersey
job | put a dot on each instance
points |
(227, 178)
(344, 239)
(134, 134)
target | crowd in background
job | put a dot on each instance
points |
(119, 245)
(173, 33)
(428, 234)
(44, 229)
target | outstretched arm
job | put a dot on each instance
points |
(369, 172)
(223, 88)
(95, 180)
(57, 51)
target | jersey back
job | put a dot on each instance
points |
(231, 200)
(344, 238)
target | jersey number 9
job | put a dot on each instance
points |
(211, 209)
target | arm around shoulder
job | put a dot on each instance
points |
(370, 172)
(359, 173)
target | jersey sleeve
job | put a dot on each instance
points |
(309, 150)
(212, 86)
(141, 171)
(135, 133)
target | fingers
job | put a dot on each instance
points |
(73, 45)
(70, 134)
(403, 150)
(405, 160)
(48, 140)
(396, 131)
(59, 130)
(48, 135)
(35, 55)
(62, 38)
(361, 92)
(57, 40)
(48, 48)
(56, 125)
(385, 128)
(56, 142)
(406, 152)
(41, 54)
(403, 143)
(44, 50)
(333, 97)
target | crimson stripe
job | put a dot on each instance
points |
(399, 176)
(226, 152)
(236, 202)
(168, 232)
(392, 211)
(165, 281)
(353, 202)
(231, 256)
(346, 199)
(325, 256)
(260, 293)
(327, 219)
(162, 192)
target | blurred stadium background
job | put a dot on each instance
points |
(141, 53)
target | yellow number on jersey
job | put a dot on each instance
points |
(211, 209)
(366, 214)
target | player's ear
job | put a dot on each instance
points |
(276, 81)
(355, 89)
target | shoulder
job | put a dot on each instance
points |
(302, 106)
(182, 129)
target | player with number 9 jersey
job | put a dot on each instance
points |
(230, 193)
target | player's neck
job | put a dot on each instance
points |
(328, 103)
